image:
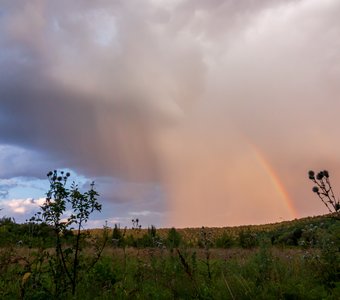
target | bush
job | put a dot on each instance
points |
(173, 239)
(66, 262)
(118, 237)
(149, 239)
(224, 241)
(248, 239)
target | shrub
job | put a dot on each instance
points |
(118, 237)
(173, 239)
(248, 239)
(224, 241)
(149, 239)
(65, 263)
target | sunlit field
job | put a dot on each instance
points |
(288, 260)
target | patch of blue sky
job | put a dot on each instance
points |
(31, 187)
(27, 188)
(22, 196)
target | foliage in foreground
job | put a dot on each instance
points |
(264, 273)
(295, 260)
(55, 272)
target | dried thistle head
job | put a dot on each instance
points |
(320, 175)
(311, 175)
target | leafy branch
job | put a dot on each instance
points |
(82, 205)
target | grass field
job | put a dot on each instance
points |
(288, 260)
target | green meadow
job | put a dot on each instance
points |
(298, 259)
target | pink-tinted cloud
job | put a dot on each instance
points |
(225, 104)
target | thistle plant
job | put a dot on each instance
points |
(136, 225)
(324, 190)
(59, 201)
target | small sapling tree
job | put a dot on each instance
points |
(117, 236)
(324, 190)
(79, 206)
(174, 239)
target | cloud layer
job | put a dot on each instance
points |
(181, 96)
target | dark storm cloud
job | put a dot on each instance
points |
(140, 196)
(98, 108)
(64, 94)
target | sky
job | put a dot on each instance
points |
(185, 113)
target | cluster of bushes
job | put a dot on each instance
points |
(28, 234)
(304, 234)
(307, 233)
(149, 239)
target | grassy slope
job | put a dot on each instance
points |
(192, 234)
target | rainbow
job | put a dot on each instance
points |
(280, 188)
